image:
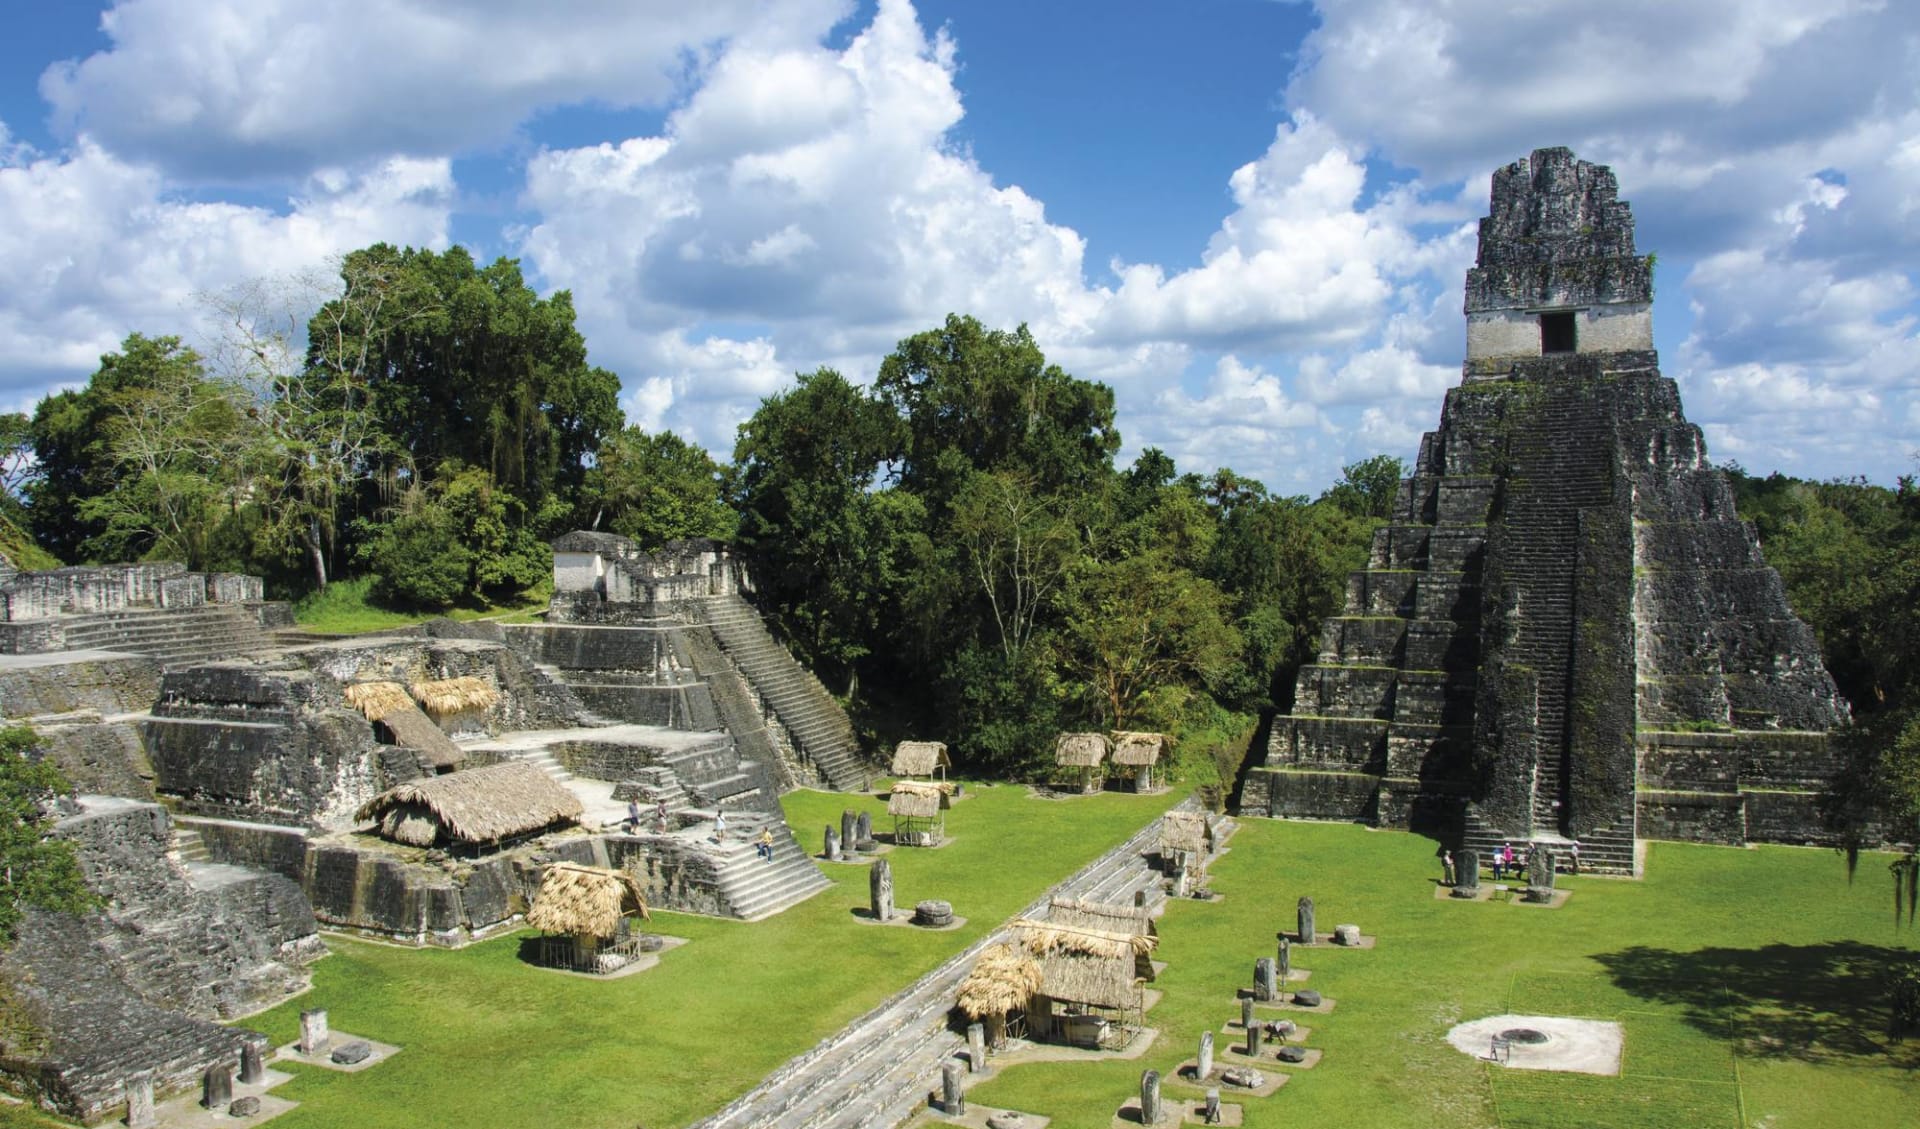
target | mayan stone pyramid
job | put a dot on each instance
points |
(1565, 632)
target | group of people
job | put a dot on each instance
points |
(762, 846)
(1506, 861)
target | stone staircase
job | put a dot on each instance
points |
(817, 725)
(756, 888)
(546, 762)
(876, 1072)
(188, 847)
(1609, 851)
(215, 631)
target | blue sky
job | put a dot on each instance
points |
(1249, 217)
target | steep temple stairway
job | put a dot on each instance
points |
(818, 727)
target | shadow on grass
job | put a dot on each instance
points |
(1814, 1003)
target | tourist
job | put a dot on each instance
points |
(719, 826)
(633, 817)
(1573, 856)
(660, 817)
(1500, 861)
(1446, 868)
(764, 846)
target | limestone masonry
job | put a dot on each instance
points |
(225, 762)
(1565, 632)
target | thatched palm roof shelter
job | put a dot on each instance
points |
(1135, 754)
(1186, 831)
(587, 901)
(915, 806)
(1087, 967)
(449, 696)
(1139, 749)
(1080, 750)
(476, 807)
(1002, 982)
(1109, 918)
(388, 706)
(920, 758)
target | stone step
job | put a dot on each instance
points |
(188, 846)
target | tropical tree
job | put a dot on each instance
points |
(657, 488)
(467, 364)
(823, 541)
(975, 399)
(73, 453)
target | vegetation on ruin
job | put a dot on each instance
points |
(36, 870)
(1748, 984)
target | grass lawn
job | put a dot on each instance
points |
(347, 607)
(1747, 983)
(490, 1041)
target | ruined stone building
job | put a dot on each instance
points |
(1566, 631)
(243, 784)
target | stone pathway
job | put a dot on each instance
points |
(876, 1072)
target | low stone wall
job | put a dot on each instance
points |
(110, 685)
(1310, 795)
(676, 875)
(1698, 817)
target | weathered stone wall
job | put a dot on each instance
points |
(107, 758)
(33, 686)
(218, 941)
(77, 1032)
(448, 902)
(1510, 333)
(675, 875)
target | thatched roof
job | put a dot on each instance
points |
(1080, 750)
(479, 805)
(1104, 916)
(455, 695)
(1138, 748)
(1042, 938)
(918, 799)
(585, 900)
(1186, 831)
(387, 704)
(376, 700)
(1003, 979)
(1088, 966)
(919, 758)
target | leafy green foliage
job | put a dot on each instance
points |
(1849, 554)
(987, 400)
(459, 537)
(73, 439)
(466, 364)
(659, 488)
(35, 869)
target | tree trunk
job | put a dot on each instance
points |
(318, 555)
